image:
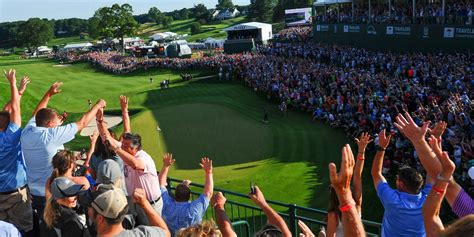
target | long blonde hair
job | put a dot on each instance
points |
(51, 212)
(205, 229)
(461, 227)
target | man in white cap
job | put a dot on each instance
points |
(109, 206)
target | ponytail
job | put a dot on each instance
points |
(51, 212)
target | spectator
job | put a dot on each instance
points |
(225, 226)
(8, 230)
(62, 215)
(42, 137)
(179, 212)
(15, 200)
(402, 206)
(108, 208)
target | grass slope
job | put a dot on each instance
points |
(287, 157)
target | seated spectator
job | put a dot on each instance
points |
(15, 200)
(108, 208)
(402, 216)
(179, 212)
(62, 216)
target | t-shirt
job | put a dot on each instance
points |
(146, 179)
(143, 231)
(402, 216)
(12, 166)
(39, 145)
(179, 215)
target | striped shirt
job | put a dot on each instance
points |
(463, 205)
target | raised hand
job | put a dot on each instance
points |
(258, 197)
(139, 197)
(123, 102)
(168, 160)
(99, 116)
(341, 181)
(206, 165)
(24, 82)
(10, 75)
(362, 141)
(101, 103)
(305, 230)
(410, 129)
(438, 130)
(218, 199)
(447, 164)
(54, 89)
(384, 140)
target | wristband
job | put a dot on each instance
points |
(443, 179)
(346, 207)
(438, 190)
(381, 148)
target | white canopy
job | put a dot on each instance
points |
(44, 49)
(78, 46)
(163, 35)
(248, 26)
(329, 2)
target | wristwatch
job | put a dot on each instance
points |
(443, 179)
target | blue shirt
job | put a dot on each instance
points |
(402, 216)
(8, 230)
(179, 215)
(12, 167)
(39, 145)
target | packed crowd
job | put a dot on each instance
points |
(456, 12)
(295, 34)
(121, 193)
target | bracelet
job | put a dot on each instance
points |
(381, 148)
(99, 121)
(346, 207)
(361, 158)
(443, 179)
(438, 190)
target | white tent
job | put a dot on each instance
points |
(44, 49)
(78, 46)
(214, 43)
(163, 35)
(329, 2)
(265, 29)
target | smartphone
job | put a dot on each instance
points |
(252, 188)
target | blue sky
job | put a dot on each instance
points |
(13, 10)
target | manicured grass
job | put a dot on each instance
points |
(287, 157)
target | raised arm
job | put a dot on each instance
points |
(206, 165)
(416, 135)
(125, 117)
(24, 82)
(272, 216)
(168, 161)
(225, 226)
(155, 219)
(15, 113)
(89, 115)
(377, 164)
(362, 143)
(433, 223)
(93, 137)
(341, 182)
(53, 90)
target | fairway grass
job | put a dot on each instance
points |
(286, 157)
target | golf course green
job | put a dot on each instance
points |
(287, 157)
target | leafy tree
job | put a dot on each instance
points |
(155, 15)
(261, 10)
(224, 4)
(195, 28)
(166, 21)
(116, 21)
(201, 13)
(33, 33)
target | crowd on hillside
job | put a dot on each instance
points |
(456, 12)
(118, 191)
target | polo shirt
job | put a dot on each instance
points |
(39, 145)
(402, 216)
(179, 215)
(12, 166)
(146, 179)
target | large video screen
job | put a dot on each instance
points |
(298, 16)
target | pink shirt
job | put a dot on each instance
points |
(146, 179)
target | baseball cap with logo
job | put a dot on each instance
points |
(63, 187)
(110, 203)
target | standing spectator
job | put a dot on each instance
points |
(42, 137)
(15, 201)
(109, 206)
(180, 212)
(225, 226)
(402, 216)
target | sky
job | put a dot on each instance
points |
(14, 10)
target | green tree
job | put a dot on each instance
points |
(33, 33)
(224, 4)
(155, 15)
(116, 21)
(200, 12)
(261, 10)
(195, 28)
(166, 21)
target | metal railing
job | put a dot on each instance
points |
(248, 219)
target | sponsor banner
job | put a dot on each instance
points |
(398, 30)
(464, 33)
(298, 16)
(448, 32)
(371, 30)
(322, 28)
(351, 29)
